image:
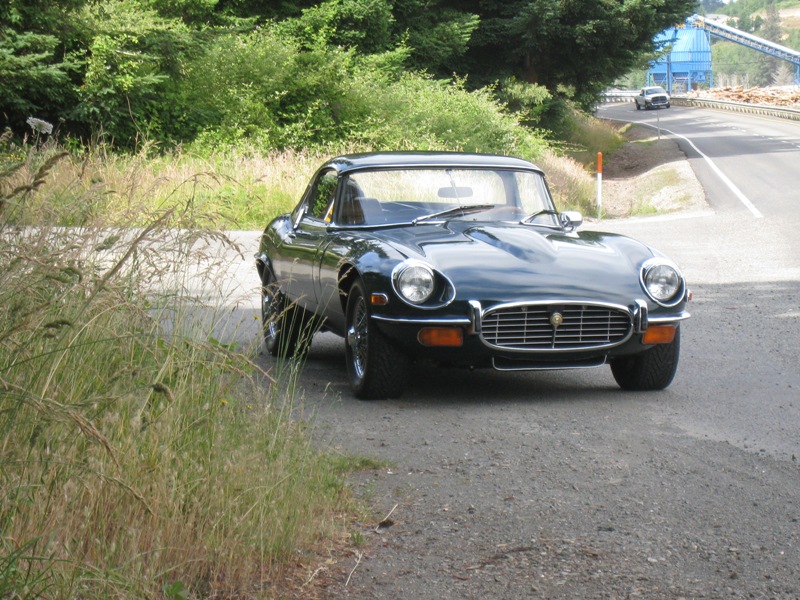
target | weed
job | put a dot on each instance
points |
(141, 453)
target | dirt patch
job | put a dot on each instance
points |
(649, 175)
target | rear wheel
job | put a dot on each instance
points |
(650, 370)
(281, 322)
(375, 367)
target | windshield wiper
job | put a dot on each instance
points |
(454, 210)
(547, 211)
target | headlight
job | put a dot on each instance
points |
(414, 282)
(662, 281)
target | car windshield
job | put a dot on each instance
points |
(656, 90)
(394, 196)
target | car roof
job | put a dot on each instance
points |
(397, 160)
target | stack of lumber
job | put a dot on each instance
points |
(773, 96)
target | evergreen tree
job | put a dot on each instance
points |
(37, 60)
(577, 47)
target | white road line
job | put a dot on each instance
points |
(736, 191)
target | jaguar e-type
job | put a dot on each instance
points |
(462, 260)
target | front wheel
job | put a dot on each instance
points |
(651, 370)
(376, 368)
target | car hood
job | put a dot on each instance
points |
(514, 262)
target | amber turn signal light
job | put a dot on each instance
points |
(659, 334)
(379, 299)
(441, 336)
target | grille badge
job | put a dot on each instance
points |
(556, 319)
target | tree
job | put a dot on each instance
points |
(710, 6)
(577, 47)
(437, 35)
(362, 25)
(770, 30)
(37, 60)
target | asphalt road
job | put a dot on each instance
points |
(740, 372)
(558, 484)
(742, 160)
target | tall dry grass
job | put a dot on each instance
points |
(571, 186)
(139, 456)
(234, 189)
(228, 190)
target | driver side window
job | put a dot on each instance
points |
(320, 204)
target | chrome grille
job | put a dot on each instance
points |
(529, 327)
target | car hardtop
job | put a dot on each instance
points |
(422, 160)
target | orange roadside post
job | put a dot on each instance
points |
(599, 184)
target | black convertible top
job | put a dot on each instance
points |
(396, 160)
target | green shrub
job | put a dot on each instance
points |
(362, 25)
(266, 92)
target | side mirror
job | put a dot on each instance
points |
(571, 219)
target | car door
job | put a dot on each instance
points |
(300, 256)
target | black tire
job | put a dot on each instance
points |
(281, 322)
(651, 370)
(637, 105)
(375, 367)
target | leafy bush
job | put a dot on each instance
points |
(530, 101)
(362, 25)
(266, 92)
(131, 91)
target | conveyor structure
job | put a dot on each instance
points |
(689, 61)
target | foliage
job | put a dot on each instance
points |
(575, 48)
(361, 25)
(133, 59)
(748, 8)
(530, 101)
(189, 11)
(437, 34)
(268, 92)
(133, 70)
(32, 80)
(141, 455)
(710, 6)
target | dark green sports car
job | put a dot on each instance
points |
(462, 260)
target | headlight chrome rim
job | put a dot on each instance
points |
(663, 282)
(414, 282)
(442, 293)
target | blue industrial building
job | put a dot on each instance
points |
(687, 65)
